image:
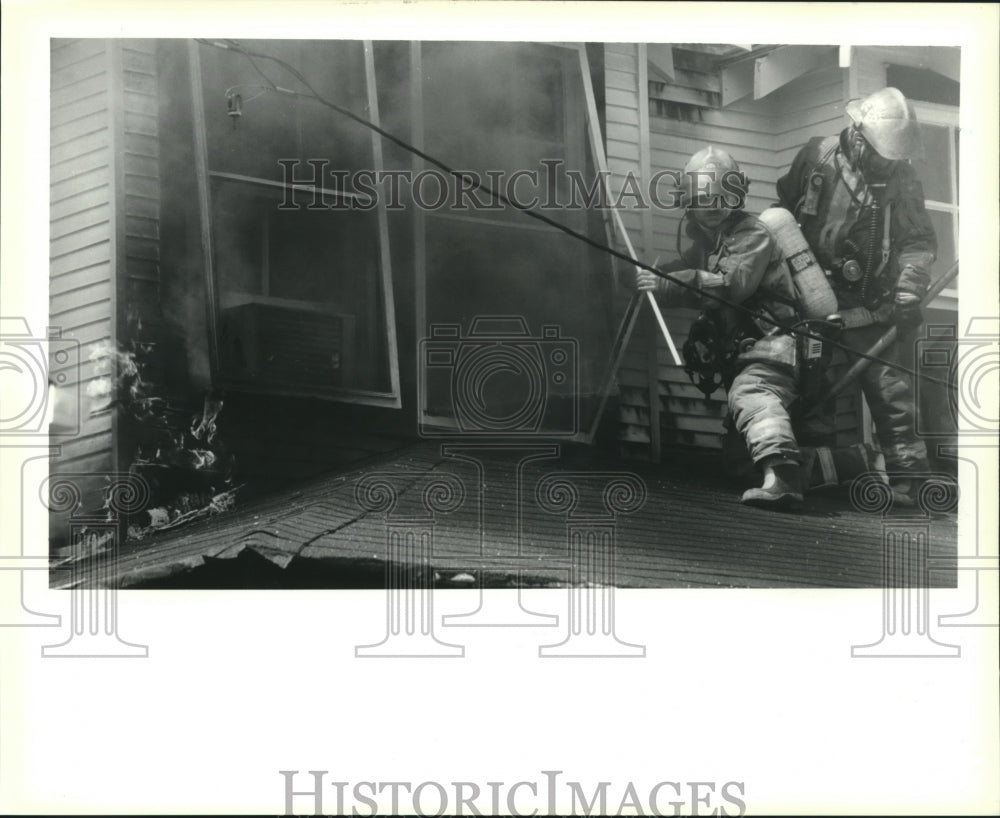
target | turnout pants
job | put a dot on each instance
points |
(890, 397)
(759, 399)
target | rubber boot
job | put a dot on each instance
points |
(903, 491)
(782, 489)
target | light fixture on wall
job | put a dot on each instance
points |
(234, 107)
(234, 100)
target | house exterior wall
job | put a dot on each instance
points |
(104, 230)
(139, 188)
(82, 241)
(127, 263)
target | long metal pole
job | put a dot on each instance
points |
(882, 344)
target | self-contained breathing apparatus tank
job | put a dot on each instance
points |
(815, 299)
(814, 295)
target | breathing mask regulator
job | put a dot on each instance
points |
(864, 252)
(710, 353)
(867, 161)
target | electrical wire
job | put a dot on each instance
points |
(237, 47)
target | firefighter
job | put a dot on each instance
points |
(731, 254)
(861, 208)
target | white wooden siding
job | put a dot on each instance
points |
(81, 244)
(103, 220)
(622, 139)
(139, 197)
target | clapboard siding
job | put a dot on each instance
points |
(68, 188)
(869, 72)
(76, 87)
(621, 71)
(622, 114)
(67, 53)
(620, 132)
(81, 243)
(65, 226)
(63, 303)
(78, 206)
(104, 221)
(623, 156)
(77, 111)
(621, 81)
(68, 132)
(69, 168)
(136, 123)
(97, 254)
(140, 203)
(701, 132)
(82, 144)
(79, 238)
(799, 122)
(81, 249)
(619, 58)
(81, 277)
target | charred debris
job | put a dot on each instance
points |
(176, 450)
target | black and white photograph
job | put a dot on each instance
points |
(340, 258)
(413, 330)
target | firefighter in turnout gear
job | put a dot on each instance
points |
(731, 254)
(860, 206)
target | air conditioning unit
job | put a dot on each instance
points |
(284, 345)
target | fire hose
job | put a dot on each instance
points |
(883, 343)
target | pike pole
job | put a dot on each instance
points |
(882, 343)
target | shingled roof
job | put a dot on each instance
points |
(690, 532)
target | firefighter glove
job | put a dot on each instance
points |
(906, 312)
(645, 280)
